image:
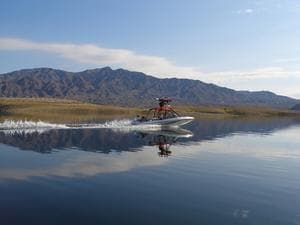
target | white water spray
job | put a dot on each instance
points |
(20, 126)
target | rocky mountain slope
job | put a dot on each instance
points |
(127, 88)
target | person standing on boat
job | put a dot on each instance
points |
(161, 113)
(165, 110)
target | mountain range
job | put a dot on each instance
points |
(127, 88)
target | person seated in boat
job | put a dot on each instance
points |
(160, 110)
(141, 119)
(161, 115)
(138, 118)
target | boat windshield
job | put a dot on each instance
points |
(163, 113)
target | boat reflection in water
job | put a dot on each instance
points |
(94, 140)
(163, 139)
(233, 171)
(108, 140)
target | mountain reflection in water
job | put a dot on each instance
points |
(108, 140)
(217, 172)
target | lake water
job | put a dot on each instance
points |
(212, 172)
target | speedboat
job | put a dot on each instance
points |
(164, 115)
(176, 121)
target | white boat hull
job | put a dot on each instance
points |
(172, 122)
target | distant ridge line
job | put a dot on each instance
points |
(128, 88)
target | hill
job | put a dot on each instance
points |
(296, 107)
(126, 88)
(60, 110)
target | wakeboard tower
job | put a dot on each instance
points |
(163, 115)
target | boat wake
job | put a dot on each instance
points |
(21, 126)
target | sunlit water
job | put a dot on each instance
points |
(210, 172)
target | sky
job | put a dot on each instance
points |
(241, 44)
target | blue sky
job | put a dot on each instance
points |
(252, 45)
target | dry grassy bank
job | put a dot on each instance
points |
(60, 110)
(221, 111)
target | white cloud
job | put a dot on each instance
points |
(95, 55)
(244, 11)
(159, 66)
(276, 79)
(264, 72)
(288, 60)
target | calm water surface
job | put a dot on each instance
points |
(213, 172)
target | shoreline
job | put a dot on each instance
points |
(64, 110)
